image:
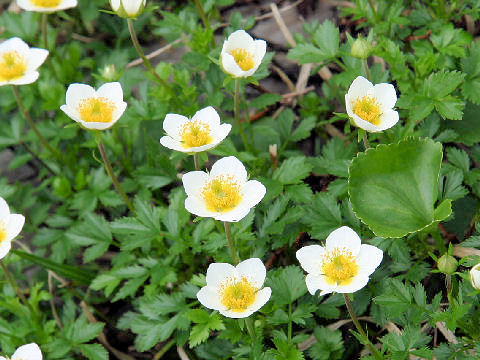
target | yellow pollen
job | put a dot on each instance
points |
(221, 194)
(368, 109)
(243, 59)
(195, 133)
(339, 266)
(12, 65)
(237, 295)
(3, 232)
(96, 110)
(46, 3)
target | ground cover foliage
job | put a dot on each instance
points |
(103, 277)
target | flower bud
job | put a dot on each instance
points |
(361, 48)
(447, 264)
(109, 73)
(128, 8)
(475, 276)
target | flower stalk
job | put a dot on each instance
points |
(14, 285)
(236, 109)
(366, 143)
(195, 160)
(231, 246)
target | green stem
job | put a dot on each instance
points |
(195, 160)
(49, 169)
(448, 285)
(364, 336)
(366, 143)
(44, 31)
(165, 348)
(206, 23)
(289, 323)
(14, 285)
(146, 62)
(236, 109)
(367, 70)
(250, 328)
(231, 246)
(372, 6)
(110, 172)
(29, 119)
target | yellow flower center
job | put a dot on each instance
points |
(3, 232)
(339, 266)
(237, 295)
(46, 3)
(368, 109)
(221, 194)
(243, 59)
(96, 110)
(12, 65)
(195, 133)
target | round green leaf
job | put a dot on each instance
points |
(393, 188)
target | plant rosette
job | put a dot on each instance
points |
(235, 291)
(19, 62)
(202, 132)
(343, 265)
(10, 227)
(26, 352)
(95, 110)
(370, 107)
(242, 55)
(224, 193)
(128, 8)
(46, 5)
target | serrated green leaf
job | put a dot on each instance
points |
(292, 170)
(93, 351)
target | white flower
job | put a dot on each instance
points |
(201, 133)
(19, 62)
(235, 291)
(241, 55)
(95, 110)
(475, 276)
(224, 193)
(26, 352)
(343, 265)
(371, 107)
(10, 227)
(128, 8)
(46, 5)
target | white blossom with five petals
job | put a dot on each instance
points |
(10, 227)
(95, 110)
(26, 352)
(202, 132)
(224, 193)
(235, 291)
(19, 62)
(343, 265)
(371, 106)
(46, 5)
(241, 55)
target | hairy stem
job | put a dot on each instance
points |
(231, 246)
(195, 160)
(366, 143)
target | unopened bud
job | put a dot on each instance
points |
(110, 74)
(361, 48)
(128, 8)
(447, 264)
(475, 276)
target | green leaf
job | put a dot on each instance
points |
(327, 38)
(306, 53)
(287, 284)
(323, 216)
(264, 100)
(94, 351)
(292, 170)
(451, 41)
(440, 84)
(450, 108)
(393, 188)
(468, 129)
(201, 331)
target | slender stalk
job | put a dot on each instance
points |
(35, 156)
(44, 30)
(236, 109)
(250, 328)
(195, 160)
(366, 143)
(29, 119)
(231, 246)
(448, 285)
(146, 62)
(289, 323)
(115, 181)
(367, 69)
(164, 349)
(367, 342)
(14, 285)
(199, 6)
(372, 5)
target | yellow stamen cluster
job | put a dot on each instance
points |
(195, 133)
(243, 59)
(221, 194)
(339, 266)
(237, 295)
(3, 232)
(46, 3)
(96, 110)
(12, 65)
(368, 109)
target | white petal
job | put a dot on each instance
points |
(359, 88)
(200, 148)
(259, 52)
(344, 237)
(388, 119)
(208, 116)
(14, 226)
(236, 314)
(261, 299)
(385, 95)
(317, 282)
(5, 247)
(362, 124)
(16, 44)
(97, 125)
(36, 57)
(369, 258)
(112, 91)
(28, 352)
(196, 206)
(253, 192)
(115, 4)
(229, 166)
(310, 258)
(172, 125)
(254, 270)
(234, 215)
(221, 133)
(239, 39)
(173, 144)
(118, 112)
(78, 92)
(475, 276)
(230, 65)
(2, 358)
(194, 181)
(4, 210)
(217, 273)
(71, 113)
(357, 283)
(67, 4)
(132, 6)
(28, 78)
(209, 297)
